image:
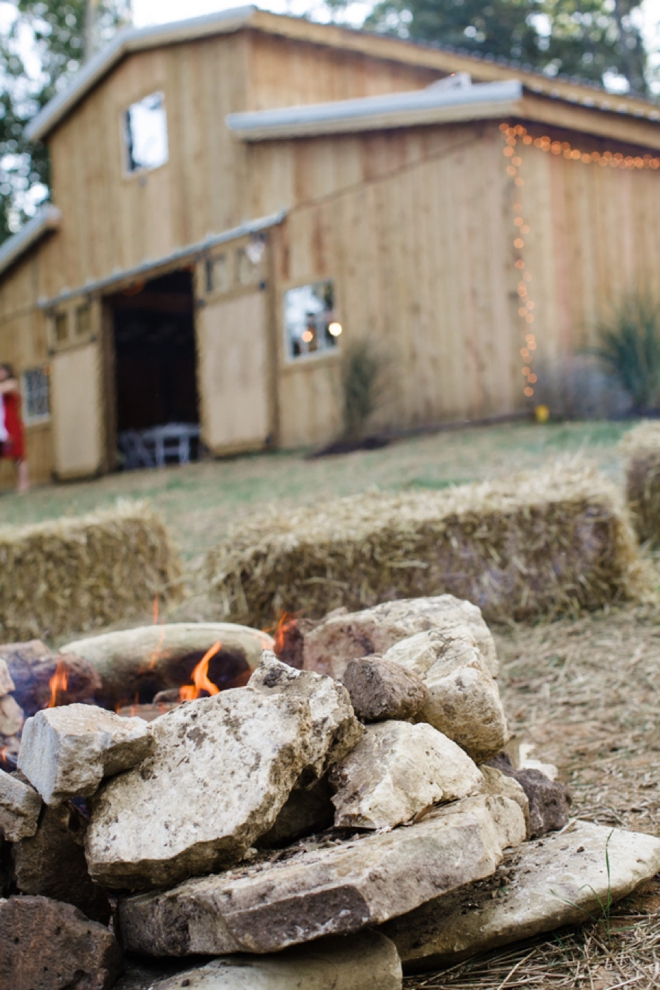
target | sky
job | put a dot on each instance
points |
(156, 11)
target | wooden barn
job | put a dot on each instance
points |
(238, 197)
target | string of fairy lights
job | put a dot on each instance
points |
(513, 135)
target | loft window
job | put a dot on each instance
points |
(83, 321)
(36, 394)
(61, 327)
(146, 133)
(310, 319)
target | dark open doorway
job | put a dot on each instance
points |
(155, 357)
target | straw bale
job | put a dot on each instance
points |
(73, 574)
(555, 541)
(641, 449)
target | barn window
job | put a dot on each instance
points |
(310, 319)
(36, 394)
(83, 321)
(61, 327)
(146, 133)
(218, 274)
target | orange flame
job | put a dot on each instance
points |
(156, 610)
(200, 678)
(58, 683)
(286, 623)
(158, 652)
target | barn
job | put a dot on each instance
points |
(237, 197)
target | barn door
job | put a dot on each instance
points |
(232, 335)
(76, 394)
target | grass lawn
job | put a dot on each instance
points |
(199, 501)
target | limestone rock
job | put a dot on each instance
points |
(464, 701)
(335, 729)
(396, 771)
(380, 689)
(66, 752)
(307, 810)
(497, 783)
(322, 888)
(52, 863)
(549, 800)
(550, 882)
(366, 961)
(222, 770)
(11, 716)
(46, 945)
(341, 638)
(6, 683)
(19, 808)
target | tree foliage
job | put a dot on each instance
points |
(51, 36)
(584, 38)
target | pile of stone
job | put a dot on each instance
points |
(324, 827)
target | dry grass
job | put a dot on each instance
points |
(76, 574)
(544, 543)
(641, 449)
(585, 694)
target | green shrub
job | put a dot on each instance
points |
(630, 347)
(361, 378)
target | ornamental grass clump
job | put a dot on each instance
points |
(630, 347)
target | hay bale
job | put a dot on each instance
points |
(641, 450)
(70, 575)
(551, 542)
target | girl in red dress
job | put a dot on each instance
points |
(12, 432)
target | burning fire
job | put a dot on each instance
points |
(58, 683)
(200, 678)
(287, 623)
(156, 610)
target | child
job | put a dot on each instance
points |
(12, 433)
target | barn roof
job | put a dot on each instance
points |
(44, 221)
(444, 60)
(438, 103)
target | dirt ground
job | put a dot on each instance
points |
(585, 694)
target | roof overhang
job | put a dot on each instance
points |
(151, 268)
(127, 41)
(434, 105)
(44, 221)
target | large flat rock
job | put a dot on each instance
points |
(222, 769)
(561, 879)
(341, 638)
(66, 752)
(395, 772)
(324, 888)
(463, 698)
(366, 961)
(47, 945)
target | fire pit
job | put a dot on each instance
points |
(344, 820)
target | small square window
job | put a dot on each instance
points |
(310, 319)
(218, 274)
(61, 327)
(146, 133)
(83, 321)
(36, 394)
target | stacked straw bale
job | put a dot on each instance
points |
(641, 448)
(555, 541)
(70, 575)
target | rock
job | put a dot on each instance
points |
(222, 770)
(367, 961)
(380, 689)
(6, 683)
(47, 945)
(52, 863)
(149, 659)
(19, 808)
(464, 702)
(343, 637)
(322, 888)
(551, 882)
(307, 810)
(66, 752)
(11, 716)
(549, 800)
(396, 771)
(497, 783)
(32, 665)
(335, 729)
